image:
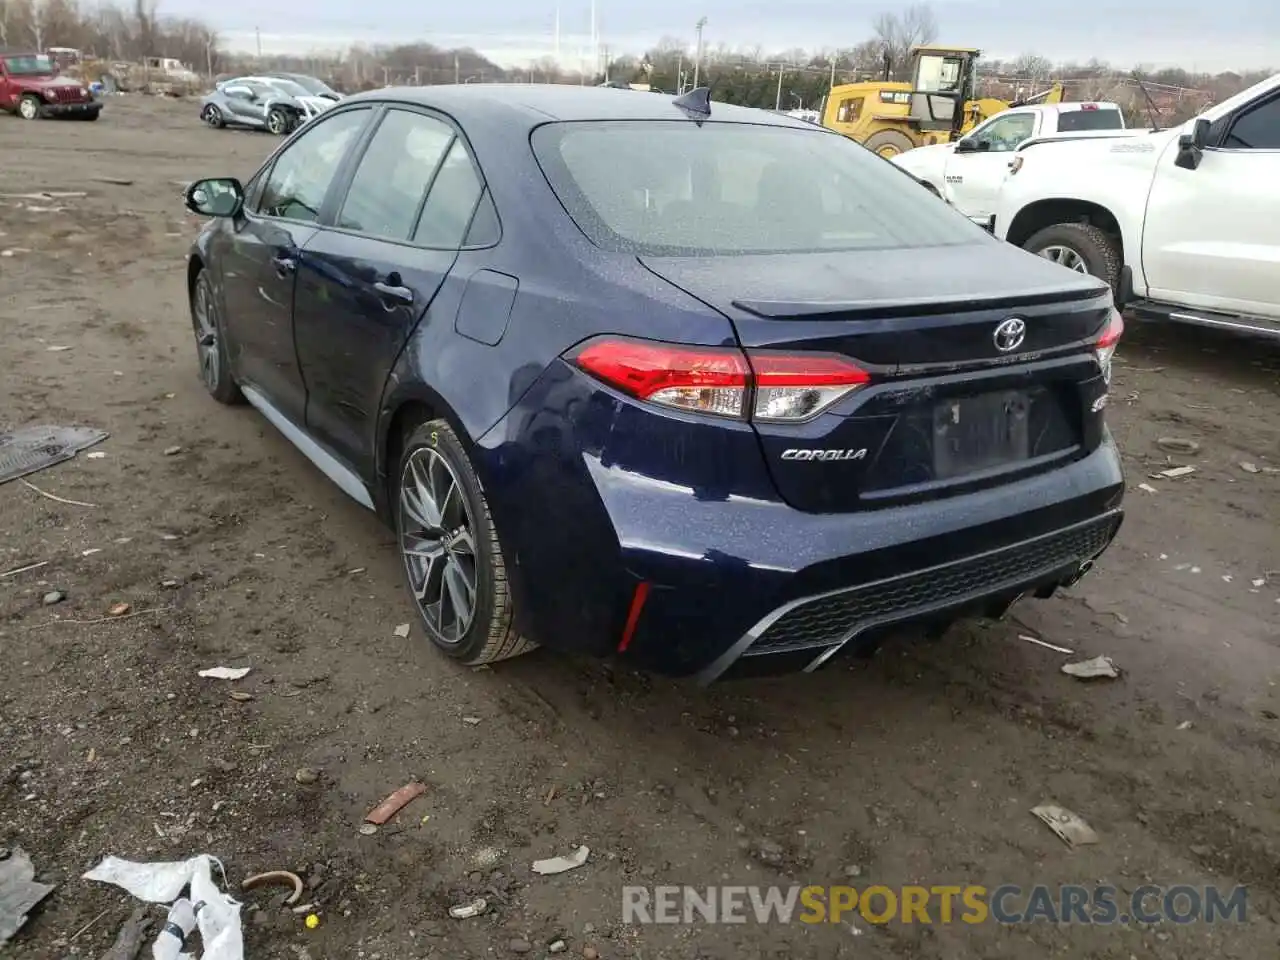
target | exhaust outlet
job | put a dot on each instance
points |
(1075, 578)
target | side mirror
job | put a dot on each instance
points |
(966, 146)
(1191, 145)
(216, 197)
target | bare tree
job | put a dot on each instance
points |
(897, 33)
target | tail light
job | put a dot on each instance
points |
(1105, 347)
(723, 381)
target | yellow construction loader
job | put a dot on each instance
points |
(936, 106)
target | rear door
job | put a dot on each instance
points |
(370, 278)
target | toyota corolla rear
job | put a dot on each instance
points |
(842, 409)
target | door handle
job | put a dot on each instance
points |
(393, 291)
(284, 263)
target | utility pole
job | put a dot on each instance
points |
(777, 103)
(258, 34)
(833, 74)
(417, 76)
(697, 54)
(680, 74)
(455, 68)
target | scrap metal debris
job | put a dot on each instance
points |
(276, 878)
(1070, 828)
(31, 449)
(1092, 669)
(396, 802)
(555, 865)
(19, 891)
(1174, 472)
(402, 630)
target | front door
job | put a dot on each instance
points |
(261, 264)
(1212, 235)
(370, 280)
(974, 177)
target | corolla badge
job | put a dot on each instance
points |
(1010, 334)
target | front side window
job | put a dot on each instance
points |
(674, 188)
(1005, 133)
(296, 187)
(393, 175)
(1257, 128)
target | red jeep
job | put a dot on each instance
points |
(31, 88)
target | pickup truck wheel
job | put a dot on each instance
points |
(889, 143)
(1081, 247)
(29, 107)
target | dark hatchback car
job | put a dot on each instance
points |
(703, 387)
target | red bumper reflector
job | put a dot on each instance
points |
(633, 615)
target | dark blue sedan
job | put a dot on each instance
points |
(703, 387)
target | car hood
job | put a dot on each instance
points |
(921, 158)
(46, 83)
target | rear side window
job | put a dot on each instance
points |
(1072, 121)
(393, 175)
(454, 193)
(675, 188)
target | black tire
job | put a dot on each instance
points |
(220, 383)
(30, 107)
(89, 117)
(889, 143)
(279, 121)
(1099, 251)
(489, 635)
(213, 117)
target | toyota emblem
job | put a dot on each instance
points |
(1010, 334)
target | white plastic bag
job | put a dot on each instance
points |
(217, 914)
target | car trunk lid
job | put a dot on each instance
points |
(980, 358)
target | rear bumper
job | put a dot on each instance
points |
(604, 559)
(811, 630)
(70, 109)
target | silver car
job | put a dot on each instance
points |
(261, 103)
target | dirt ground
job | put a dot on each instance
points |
(919, 765)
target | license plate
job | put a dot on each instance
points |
(973, 434)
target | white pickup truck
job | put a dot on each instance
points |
(968, 172)
(1183, 223)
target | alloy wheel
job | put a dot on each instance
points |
(1065, 257)
(212, 115)
(437, 541)
(206, 330)
(277, 122)
(28, 109)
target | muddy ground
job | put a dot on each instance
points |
(917, 766)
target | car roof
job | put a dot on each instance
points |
(536, 103)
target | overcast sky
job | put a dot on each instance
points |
(1190, 33)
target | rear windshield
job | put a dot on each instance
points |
(1071, 121)
(674, 188)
